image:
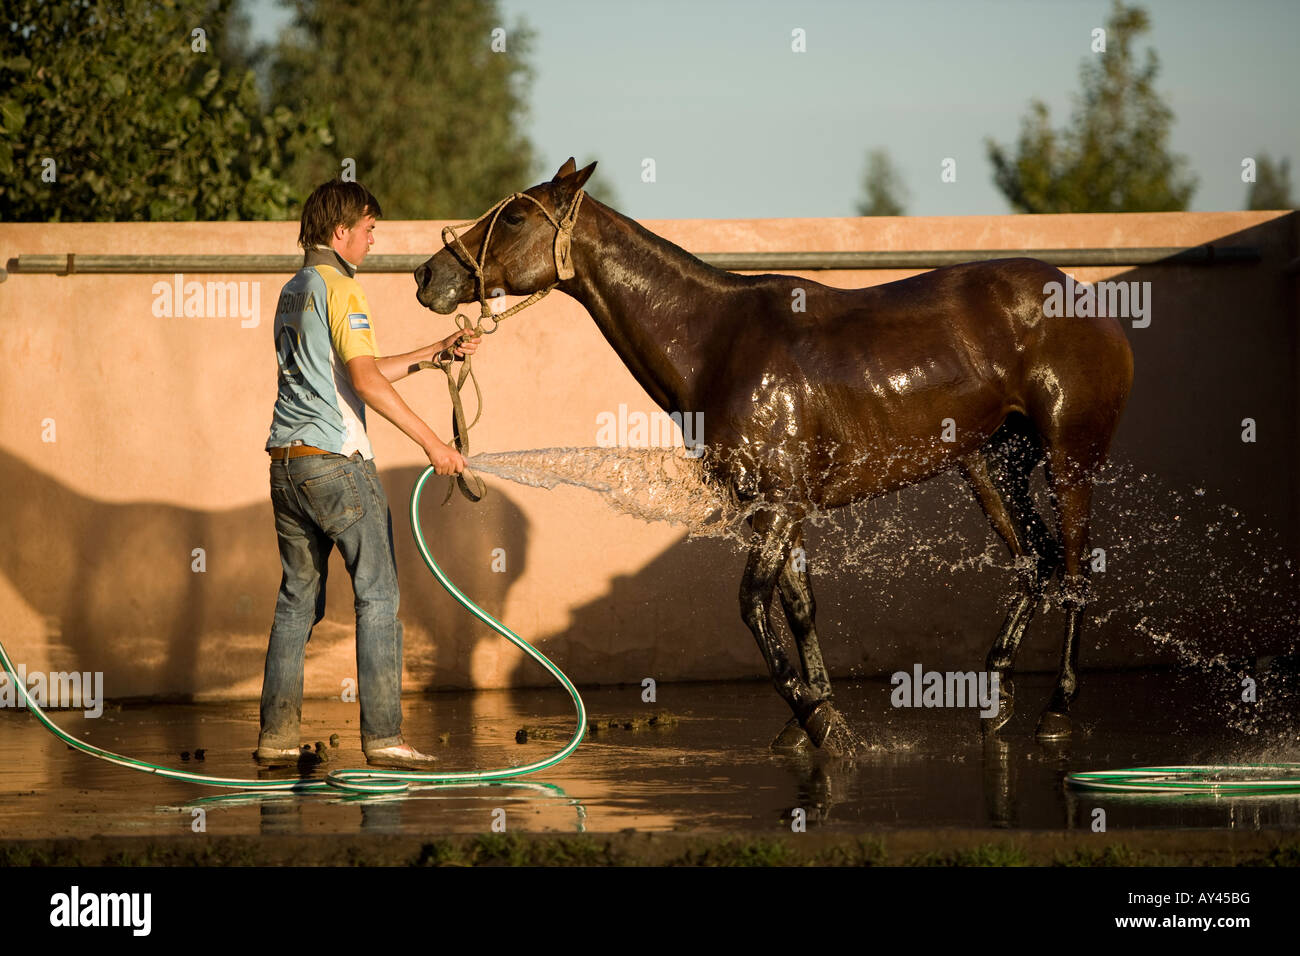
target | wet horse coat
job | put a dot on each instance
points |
(863, 392)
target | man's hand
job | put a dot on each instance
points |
(445, 459)
(461, 343)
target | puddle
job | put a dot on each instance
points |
(710, 770)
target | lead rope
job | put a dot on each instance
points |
(447, 358)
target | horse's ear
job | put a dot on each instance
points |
(565, 170)
(567, 186)
(584, 176)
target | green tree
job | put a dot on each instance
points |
(1113, 155)
(430, 113)
(1272, 186)
(884, 192)
(118, 110)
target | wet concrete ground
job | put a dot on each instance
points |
(710, 771)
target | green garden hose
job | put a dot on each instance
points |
(352, 781)
(1217, 779)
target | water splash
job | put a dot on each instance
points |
(663, 485)
(1184, 573)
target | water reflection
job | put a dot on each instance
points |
(708, 770)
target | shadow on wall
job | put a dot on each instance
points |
(115, 587)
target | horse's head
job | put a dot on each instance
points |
(520, 244)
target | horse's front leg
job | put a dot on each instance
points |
(800, 607)
(774, 533)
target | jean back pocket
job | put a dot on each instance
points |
(335, 501)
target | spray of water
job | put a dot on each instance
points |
(1177, 569)
(650, 484)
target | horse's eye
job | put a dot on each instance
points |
(514, 218)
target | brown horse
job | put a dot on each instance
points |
(862, 392)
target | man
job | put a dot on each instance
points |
(325, 491)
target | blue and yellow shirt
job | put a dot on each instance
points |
(322, 321)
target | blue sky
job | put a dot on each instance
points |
(740, 126)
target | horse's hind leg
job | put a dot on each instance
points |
(1075, 395)
(775, 533)
(999, 476)
(1071, 485)
(1076, 449)
(800, 608)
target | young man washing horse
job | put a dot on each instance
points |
(325, 491)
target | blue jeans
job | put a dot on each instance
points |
(321, 501)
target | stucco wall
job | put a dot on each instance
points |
(158, 426)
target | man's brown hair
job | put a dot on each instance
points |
(332, 204)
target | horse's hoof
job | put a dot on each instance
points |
(793, 739)
(842, 741)
(1053, 725)
(831, 732)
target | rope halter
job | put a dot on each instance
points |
(561, 251)
(444, 360)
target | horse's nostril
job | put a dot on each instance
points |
(422, 276)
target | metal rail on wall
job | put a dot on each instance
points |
(71, 263)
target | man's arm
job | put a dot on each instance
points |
(378, 393)
(394, 368)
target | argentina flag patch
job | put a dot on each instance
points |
(358, 320)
